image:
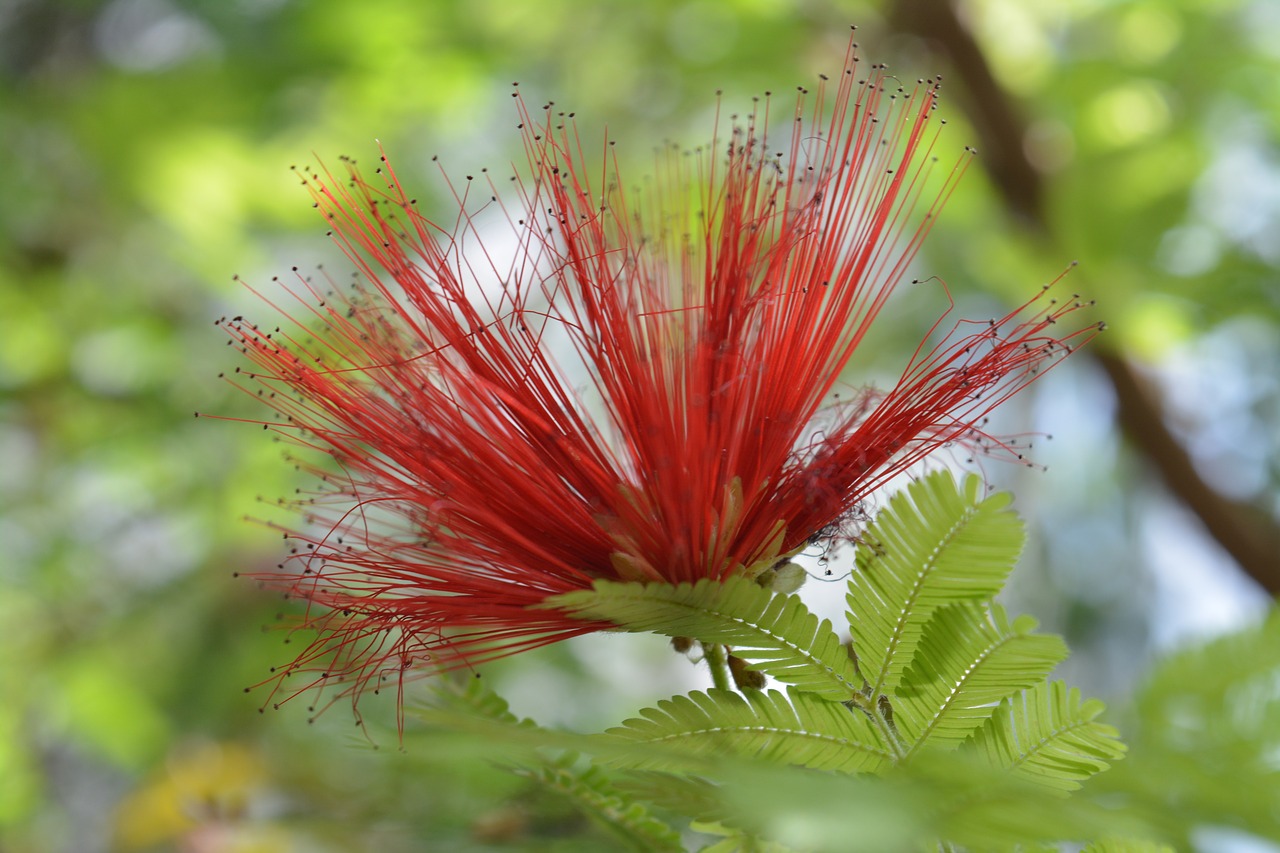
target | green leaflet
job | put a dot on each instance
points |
(1206, 711)
(931, 547)
(1049, 736)
(969, 658)
(1127, 845)
(737, 842)
(776, 634)
(680, 793)
(594, 794)
(1222, 696)
(475, 697)
(791, 728)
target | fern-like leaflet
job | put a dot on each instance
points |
(933, 546)
(775, 633)
(969, 658)
(791, 728)
(627, 820)
(1050, 736)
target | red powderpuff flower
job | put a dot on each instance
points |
(633, 389)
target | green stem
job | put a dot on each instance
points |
(716, 658)
(887, 730)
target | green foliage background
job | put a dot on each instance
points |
(147, 146)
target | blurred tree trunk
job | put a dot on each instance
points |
(1250, 536)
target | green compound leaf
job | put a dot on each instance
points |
(931, 547)
(594, 795)
(737, 842)
(586, 786)
(679, 793)
(1127, 845)
(1207, 713)
(776, 634)
(1049, 736)
(969, 659)
(793, 728)
(475, 697)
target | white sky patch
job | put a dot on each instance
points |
(1199, 593)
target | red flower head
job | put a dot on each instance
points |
(635, 395)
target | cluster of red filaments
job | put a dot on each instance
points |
(629, 390)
